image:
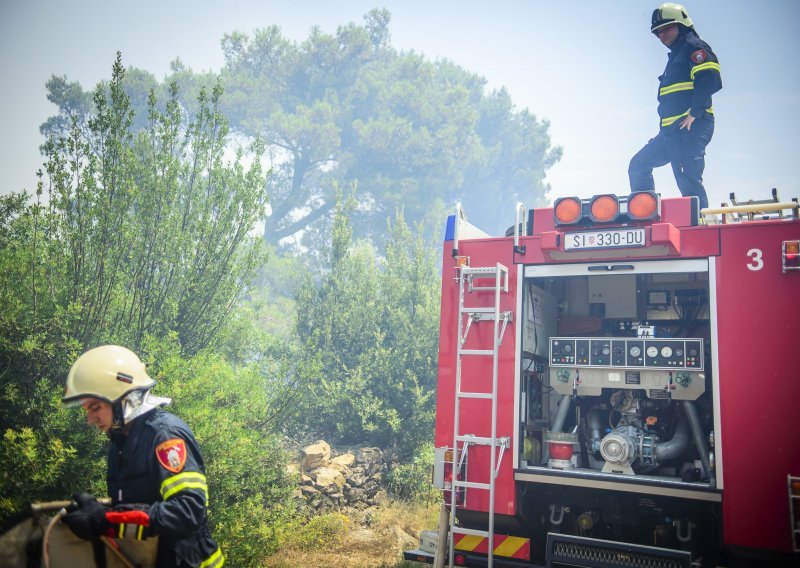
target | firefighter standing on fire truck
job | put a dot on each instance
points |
(156, 477)
(691, 76)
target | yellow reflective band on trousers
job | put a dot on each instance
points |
(214, 561)
(183, 481)
(675, 87)
(671, 119)
(703, 67)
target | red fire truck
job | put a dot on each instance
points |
(618, 386)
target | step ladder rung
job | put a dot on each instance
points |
(480, 310)
(494, 279)
(475, 394)
(472, 485)
(471, 532)
(479, 270)
(476, 351)
(480, 440)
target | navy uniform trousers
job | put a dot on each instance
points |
(684, 149)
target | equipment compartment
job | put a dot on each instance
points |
(623, 391)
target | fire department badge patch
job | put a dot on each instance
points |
(698, 56)
(172, 454)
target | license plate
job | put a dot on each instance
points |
(610, 238)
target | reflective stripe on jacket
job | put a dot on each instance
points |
(691, 76)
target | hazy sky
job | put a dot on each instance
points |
(590, 68)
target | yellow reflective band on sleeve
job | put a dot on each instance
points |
(704, 67)
(214, 561)
(675, 87)
(121, 531)
(140, 533)
(183, 481)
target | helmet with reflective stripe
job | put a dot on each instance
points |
(108, 372)
(670, 13)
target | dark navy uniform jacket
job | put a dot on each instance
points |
(158, 464)
(692, 75)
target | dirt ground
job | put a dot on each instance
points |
(393, 528)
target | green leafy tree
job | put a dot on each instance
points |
(38, 460)
(73, 104)
(344, 109)
(370, 326)
(152, 224)
(144, 233)
(348, 109)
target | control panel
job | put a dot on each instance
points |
(634, 353)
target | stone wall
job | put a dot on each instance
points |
(347, 481)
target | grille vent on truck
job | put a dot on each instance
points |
(567, 550)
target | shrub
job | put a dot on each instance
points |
(412, 481)
(321, 532)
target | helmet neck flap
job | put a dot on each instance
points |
(133, 405)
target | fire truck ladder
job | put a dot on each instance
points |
(751, 209)
(467, 284)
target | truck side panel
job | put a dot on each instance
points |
(477, 372)
(759, 382)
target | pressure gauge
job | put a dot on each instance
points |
(606, 350)
(635, 351)
(567, 348)
(652, 351)
(666, 351)
(679, 352)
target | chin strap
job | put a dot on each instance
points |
(117, 417)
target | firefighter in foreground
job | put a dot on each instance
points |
(692, 75)
(156, 477)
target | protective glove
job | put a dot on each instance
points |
(86, 518)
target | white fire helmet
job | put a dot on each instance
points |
(109, 373)
(670, 13)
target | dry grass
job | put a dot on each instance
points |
(374, 541)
